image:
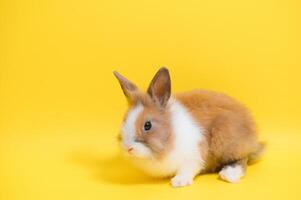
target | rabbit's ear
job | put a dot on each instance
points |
(160, 87)
(127, 86)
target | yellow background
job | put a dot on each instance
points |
(61, 107)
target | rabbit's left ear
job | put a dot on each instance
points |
(127, 86)
(160, 87)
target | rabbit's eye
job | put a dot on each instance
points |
(147, 126)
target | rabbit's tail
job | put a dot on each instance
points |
(257, 155)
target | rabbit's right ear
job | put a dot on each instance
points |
(160, 87)
(127, 86)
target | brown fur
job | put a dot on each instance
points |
(229, 129)
(159, 138)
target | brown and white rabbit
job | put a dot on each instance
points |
(186, 134)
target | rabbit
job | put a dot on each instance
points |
(186, 134)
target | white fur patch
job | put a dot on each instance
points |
(231, 174)
(188, 137)
(185, 157)
(138, 150)
(128, 127)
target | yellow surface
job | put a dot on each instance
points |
(61, 107)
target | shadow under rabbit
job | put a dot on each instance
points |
(113, 169)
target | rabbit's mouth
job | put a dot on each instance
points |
(138, 149)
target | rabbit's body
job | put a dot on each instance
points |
(187, 134)
(229, 130)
